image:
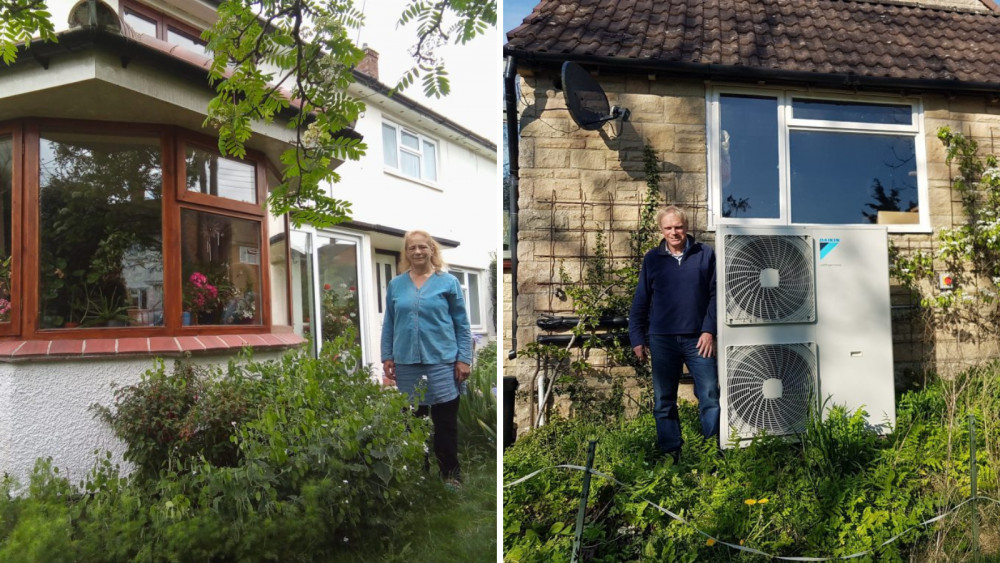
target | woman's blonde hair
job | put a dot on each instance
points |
(436, 261)
(671, 210)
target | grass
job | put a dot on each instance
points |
(453, 526)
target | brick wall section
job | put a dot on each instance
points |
(575, 183)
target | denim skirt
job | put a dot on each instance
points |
(427, 384)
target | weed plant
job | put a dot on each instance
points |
(477, 410)
(838, 490)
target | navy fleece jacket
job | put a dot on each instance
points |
(674, 298)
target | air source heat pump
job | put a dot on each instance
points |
(803, 316)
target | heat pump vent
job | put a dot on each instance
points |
(769, 387)
(769, 279)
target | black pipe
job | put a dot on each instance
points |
(510, 97)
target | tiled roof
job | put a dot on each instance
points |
(870, 39)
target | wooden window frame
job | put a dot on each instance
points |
(163, 22)
(26, 241)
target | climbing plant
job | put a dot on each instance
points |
(969, 252)
(604, 291)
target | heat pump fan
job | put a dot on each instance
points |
(769, 279)
(769, 387)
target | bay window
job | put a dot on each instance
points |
(132, 230)
(787, 158)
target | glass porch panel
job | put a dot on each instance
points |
(748, 157)
(280, 307)
(338, 279)
(852, 178)
(6, 179)
(302, 284)
(100, 230)
(211, 174)
(220, 262)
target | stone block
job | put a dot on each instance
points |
(588, 159)
(689, 110)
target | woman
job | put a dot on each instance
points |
(427, 343)
(672, 320)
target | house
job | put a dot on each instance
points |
(761, 112)
(125, 235)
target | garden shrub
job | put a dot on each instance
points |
(837, 491)
(298, 459)
(477, 410)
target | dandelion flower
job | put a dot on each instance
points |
(750, 502)
(710, 542)
(762, 501)
(741, 542)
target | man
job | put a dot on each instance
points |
(673, 321)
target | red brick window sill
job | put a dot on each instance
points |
(19, 350)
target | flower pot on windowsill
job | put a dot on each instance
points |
(71, 324)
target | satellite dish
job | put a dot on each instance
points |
(586, 100)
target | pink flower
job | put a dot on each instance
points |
(327, 287)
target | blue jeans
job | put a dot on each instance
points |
(669, 354)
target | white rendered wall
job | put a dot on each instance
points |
(45, 412)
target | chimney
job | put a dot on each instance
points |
(369, 64)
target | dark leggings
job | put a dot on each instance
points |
(444, 416)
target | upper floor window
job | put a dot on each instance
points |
(409, 153)
(148, 21)
(470, 291)
(787, 158)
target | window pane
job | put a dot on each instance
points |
(101, 258)
(302, 284)
(279, 271)
(825, 110)
(748, 170)
(338, 275)
(410, 164)
(411, 141)
(184, 40)
(473, 304)
(140, 24)
(430, 162)
(389, 149)
(851, 177)
(6, 178)
(220, 259)
(211, 174)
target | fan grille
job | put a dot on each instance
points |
(768, 387)
(769, 279)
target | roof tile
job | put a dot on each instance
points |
(874, 38)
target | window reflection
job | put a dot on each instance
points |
(220, 259)
(211, 174)
(101, 261)
(749, 157)
(6, 178)
(302, 284)
(338, 276)
(854, 112)
(852, 178)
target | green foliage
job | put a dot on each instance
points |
(20, 20)
(970, 251)
(299, 459)
(840, 490)
(477, 410)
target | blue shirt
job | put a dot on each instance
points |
(427, 325)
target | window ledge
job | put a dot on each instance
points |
(161, 346)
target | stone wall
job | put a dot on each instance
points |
(575, 184)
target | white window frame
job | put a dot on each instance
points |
(463, 280)
(420, 154)
(787, 124)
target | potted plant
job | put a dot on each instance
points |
(106, 310)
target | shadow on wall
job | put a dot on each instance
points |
(619, 136)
